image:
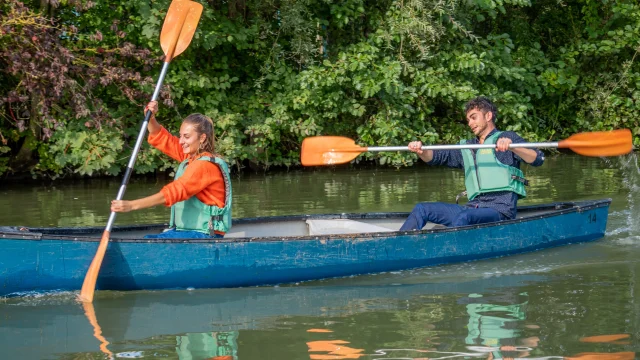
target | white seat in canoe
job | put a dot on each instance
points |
(342, 226)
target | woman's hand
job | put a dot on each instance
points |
(121, 206)
(153, 125)
(153, 107)
(130, 205)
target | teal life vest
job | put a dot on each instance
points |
(484, 173)
(193, 214)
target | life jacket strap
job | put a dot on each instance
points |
(520, 179)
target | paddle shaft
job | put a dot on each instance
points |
(454, 147)
(145, 123)
(136, 148)
(88, 286)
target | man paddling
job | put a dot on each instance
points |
(493, 179)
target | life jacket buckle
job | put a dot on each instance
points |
(520, 179)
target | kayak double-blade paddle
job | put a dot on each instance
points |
(333, 150)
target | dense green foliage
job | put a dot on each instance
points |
(75, 75)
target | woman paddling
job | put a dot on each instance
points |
(200, 196)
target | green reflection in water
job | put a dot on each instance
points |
(217, 344)
(488, 323)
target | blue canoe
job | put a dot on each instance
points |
(283, 249)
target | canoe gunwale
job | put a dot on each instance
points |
(557, 209)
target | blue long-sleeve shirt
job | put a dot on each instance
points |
(504, 202)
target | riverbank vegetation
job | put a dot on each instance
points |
(76, 74)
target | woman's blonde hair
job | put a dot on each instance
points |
(204, 125)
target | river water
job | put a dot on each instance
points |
(576, 302)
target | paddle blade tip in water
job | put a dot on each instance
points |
(84, 298)
(328, 150)
(179, 26)
(600, 143)
(90, 279)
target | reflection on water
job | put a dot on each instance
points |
(218, 345)
(614, 339)
(628, 355)
(561, 315)
(332, 349)
(90, 313)
(497, 326)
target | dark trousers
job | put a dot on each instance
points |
(448, 215)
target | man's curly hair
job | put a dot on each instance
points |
(483, 104)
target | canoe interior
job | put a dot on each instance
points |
(295, 226)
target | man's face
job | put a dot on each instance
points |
(478, 121)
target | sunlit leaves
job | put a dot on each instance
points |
(87, 152)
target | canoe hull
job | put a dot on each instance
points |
(54, 262)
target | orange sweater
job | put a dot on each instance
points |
(200, 178)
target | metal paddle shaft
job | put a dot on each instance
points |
(177, 31)
(136, 148)
(463, 146)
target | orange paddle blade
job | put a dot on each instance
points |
(600, 143)
(89, 284)
(179, 26)
(329, 150)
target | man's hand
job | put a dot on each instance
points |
(416, 147)
(503, 144)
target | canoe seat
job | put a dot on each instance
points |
(342, 226)
(431, 226)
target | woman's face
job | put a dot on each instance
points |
(190, 140)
